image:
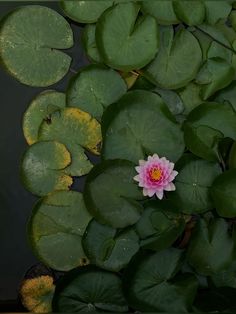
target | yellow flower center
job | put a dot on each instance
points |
(155, 174)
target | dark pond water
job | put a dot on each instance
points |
(15, 202)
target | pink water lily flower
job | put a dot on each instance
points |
(155, 175)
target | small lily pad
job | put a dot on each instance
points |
(111, 194)
(43, 168)
(89, 43)
(41, 107)
(33, 57)
(94, 88)
(77, 130)
(56, 228)
(109, 248)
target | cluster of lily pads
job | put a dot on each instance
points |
(161, 81)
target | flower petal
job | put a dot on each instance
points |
(160, 194)
(170, 187)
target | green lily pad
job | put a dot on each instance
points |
(111, 194)
(130, 45)
(85, 11)
(140, 124)
(40, 109)
(211, 248)
(214, 75)
(172, 99)
(94, 88)
(223, 194)
(43, 168)
(163, 11)
(56, 227)
(159, 226)
(33, 57)
(216, 10)
(190, 96)
(226, 278)
(193, 184)
(169, 69)
(151, 285)
(206, 125)
(89, 43)
(228, 94)
(109, 248)
(89, 289)
(77, 130)
(191, 12)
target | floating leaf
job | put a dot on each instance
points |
(190, 96)
(33, 57)
(226, 278)
(94, 88)
(159, 226)
(130, 45)
(223, 193)
(191, 12)
(139, 125)
(214, 75)
(216, 10)
(89, 289)
(193, 184)
(85, 11)
(228, 94)
(113, 202)
(151, 285)
(37, 293)
(169, 69)
(41, 107)
(109, 248)
(211, 248)
(89, 43)
(56, 228)
(43, 168)
(77, 131)
(206, 125)
(172, 99)
(163, 11)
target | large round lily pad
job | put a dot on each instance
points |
(77, 130)
(89, 289)
(33, 57)
(94, 88)
(109, 248)
(140, 124)
(111, 194)
(41, 108)
(43, 168)
(56, 228)
(193, 183)
(151, 284)
(211, 248)
(85, 11)
(126, 45)
(178, 59)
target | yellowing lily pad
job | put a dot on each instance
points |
(42, 168)
(31, 38)
(77, 130)
(41, 107)
(56, 228)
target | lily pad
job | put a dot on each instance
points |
(151, 284)
(89, 43)
(140, 124)
(163, 11)
(111, 194)
(170, 69)
(43, 168)
(191, 12)
(211, 248)
(77, 130)
(85, 11)
(130, 45)
(94, 88)
(89, 289)
(223, 194)
(190, 96)
(159, 226)
(56, 227)
(193, 184)
(109, 248)
(33, 57)
(228, 94)
(216, 10)
(40, 109)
